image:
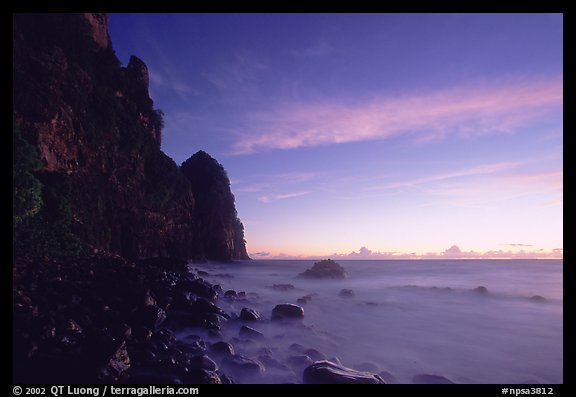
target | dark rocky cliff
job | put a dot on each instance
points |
(101, 177)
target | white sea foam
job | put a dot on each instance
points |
(412, 317)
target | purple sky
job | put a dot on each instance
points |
(407, 134)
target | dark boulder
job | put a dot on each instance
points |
(203, 362)
(287, 311)
(241, 365)
(200, 288)
(251, 333)
(326, 372)
(247, 314)
(481, 290)
(222, 349)
(326, 269)
(346, 293)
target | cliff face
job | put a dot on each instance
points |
(93, 127)
(218, 227)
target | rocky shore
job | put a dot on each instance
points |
(107, 319)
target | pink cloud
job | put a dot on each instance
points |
(466, 112)
(274, 197)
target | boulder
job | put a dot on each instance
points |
(241, 365)
(326, 269)
(222, 349)
(346, 293)
(287, 311)
(247, 314)
(251, 333)
(326, 372)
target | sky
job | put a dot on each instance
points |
(369, 136)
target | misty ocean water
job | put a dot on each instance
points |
(408, 317)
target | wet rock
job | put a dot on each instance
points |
(287, 311)
(326, 372)
(326, 269)
(200, 288)
(230, 294)
(222, 349)
(346, 293)
(431, 379)
(247, 314)
(249, 332)
(202, 307)
(243, 366)
(203, 362)
(481, 289)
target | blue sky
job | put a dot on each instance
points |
(406, 135)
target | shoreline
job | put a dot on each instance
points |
(105, 319)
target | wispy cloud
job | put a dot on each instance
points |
(168, 81)
(275, 197)
(466, 112)
(318, 49)
(482, 169)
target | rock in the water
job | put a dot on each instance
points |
(249, 332)
(200, 288)
(481, 289)
(325, 269)
(222, 349)
(247, 314)
(431, 379)
(287, 311)
(346, 293)
(326, 372)
(203, 362)
(243, 366)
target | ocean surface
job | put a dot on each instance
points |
(409, 317)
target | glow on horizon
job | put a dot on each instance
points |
(399, 136)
